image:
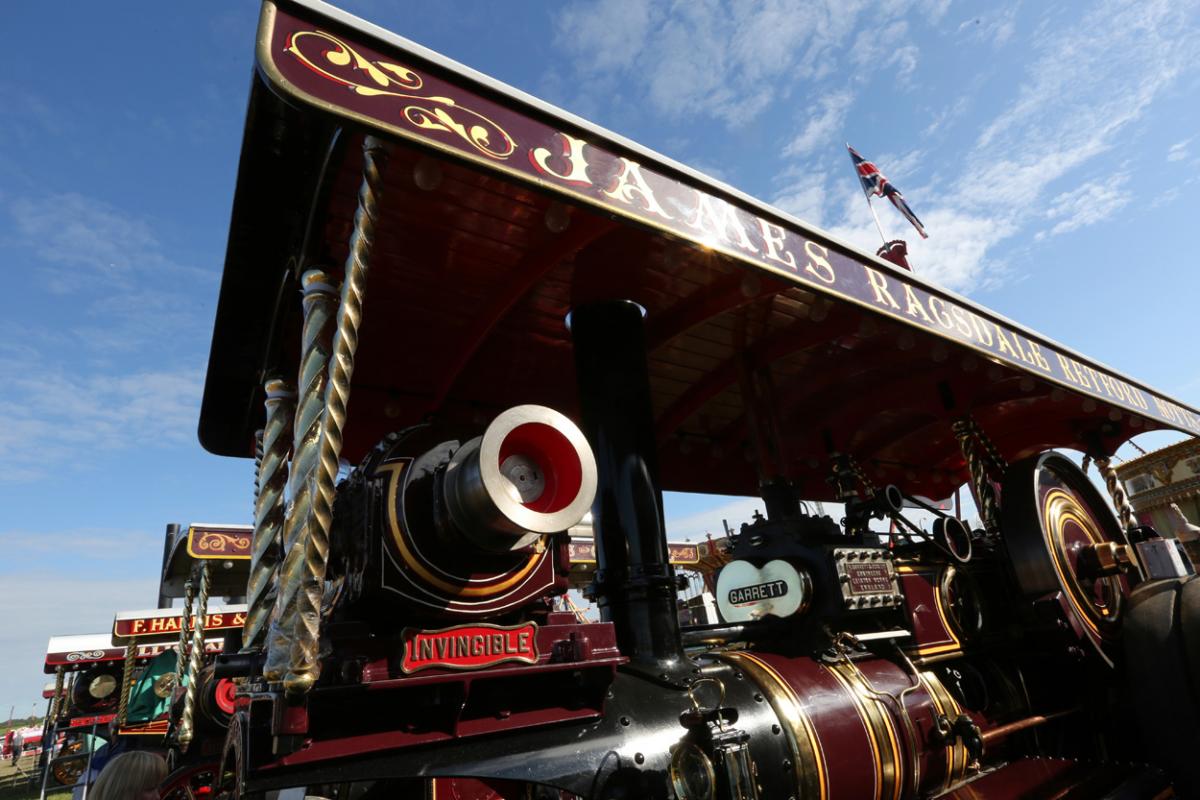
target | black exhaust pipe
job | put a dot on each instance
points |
(634, 584)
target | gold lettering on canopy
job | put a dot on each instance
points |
(631, 186)
(319, 67)
(572, 153)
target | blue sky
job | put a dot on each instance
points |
(1050, 148)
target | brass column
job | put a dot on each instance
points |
(126, 681)
(56, 706)
(304, 664)
(320, 310)
(184, 621)
(275, 445)
(195, 660)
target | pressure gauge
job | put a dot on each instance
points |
(692, 774)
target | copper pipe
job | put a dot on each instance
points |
(304, 663)
(1004, 731)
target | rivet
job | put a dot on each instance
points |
(625, 721)
(639, 758)
(775, 729)
(758, 698)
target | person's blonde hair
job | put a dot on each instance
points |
(128, 776)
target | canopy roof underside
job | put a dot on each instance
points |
(473, 276)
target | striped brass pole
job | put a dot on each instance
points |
(304, 664)
(320, 314)
(185, 621)
(989, 510)
(258, 457)
(56, 707)
(195, 661)
(126, 681)
(275, 444)
(1117, 492)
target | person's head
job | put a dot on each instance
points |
(130, 776)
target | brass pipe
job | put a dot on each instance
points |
(316, 345)
(304, 666)
(195, 661)
(1004, 731)
(274, 447)
(126, 682)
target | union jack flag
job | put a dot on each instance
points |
(875, 183)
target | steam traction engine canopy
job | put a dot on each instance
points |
(453, 318)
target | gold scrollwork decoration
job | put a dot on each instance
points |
(213, 542)
(384, 78)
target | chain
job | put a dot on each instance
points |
(964, 431)
(997, 463)
(304, 664)
(868, 486)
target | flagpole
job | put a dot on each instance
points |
(874, 214)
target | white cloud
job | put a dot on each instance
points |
(1092, 202)
(694, 527)
(804, 198)
(724, 59)
(824, 129)
(611, 32)
(882, 46)
(53, 417)
(996, 28)
(38, 606)
(1178, 151)
(1086, 86)
(85, 242)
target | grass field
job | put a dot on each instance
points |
(20, 783)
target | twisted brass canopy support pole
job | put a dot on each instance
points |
(1117, 492)
(989, 510)
(184, 631)
(274, 446)
(305, 667)
(56, 708)
(195, 661)
(320, 310)
(126, 682)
